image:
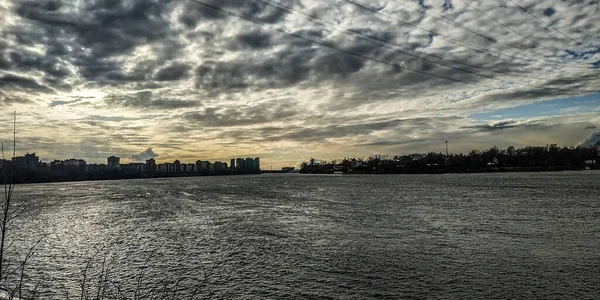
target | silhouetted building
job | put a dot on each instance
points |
(113, 162)
(220, 167)
(204, 166)
(94, 168)
(57, 164)
(232, 163)
(134, 168)
(169, 168)
(177, 164)
(247, 164)
(74, 163)
(240, 164)
(162, 168)
(189, 168)
(28, 161)
(151, 165)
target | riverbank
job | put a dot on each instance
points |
(372, 171)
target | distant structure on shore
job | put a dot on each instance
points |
(28, 168)
(548, 158)
(283, 170)
(245, 164)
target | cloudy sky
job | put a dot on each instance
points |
(290, 79)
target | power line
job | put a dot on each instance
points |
(455, 41)
(333, 47)
(491, 39)
(370, 38)
(356, 32)
(330, 46)
(509, 28)
(547, 24)
(477, 33)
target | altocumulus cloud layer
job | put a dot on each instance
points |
(95, 78)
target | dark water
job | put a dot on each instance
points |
(484, 236)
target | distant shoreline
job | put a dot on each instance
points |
(441, 171)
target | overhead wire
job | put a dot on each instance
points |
(369, 39)
(333, 47)
(455, 41)
(554, 51)
(475, 32)
(327, 45)
(547, 24)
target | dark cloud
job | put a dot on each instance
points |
(145, 99)
(294, 63)
(447, 5)
(310, 33)
(173, 72)
(22, 84)
(61, 102)
(548, 12)
(28, 61)
(243, 115)
(93, 38)
(116, 119)
(393, 143)
(214, 76)
(320, 133)
(96, 38)
(144, 155)
(195, 12)
(254, 40)
(279, 70)
(116, 27)
(570, 82)
(338, 64)
(501, 125)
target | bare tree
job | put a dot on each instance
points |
(8, 189)
(8, 213)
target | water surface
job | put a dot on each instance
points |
(454, 236)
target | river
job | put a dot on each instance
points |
(284, 236)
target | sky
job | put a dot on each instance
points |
(289, 80)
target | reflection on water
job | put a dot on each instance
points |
(294, 236)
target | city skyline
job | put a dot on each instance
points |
(33, 159)
(286, 81)
(29, 168)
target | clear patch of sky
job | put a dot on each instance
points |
(541, 109)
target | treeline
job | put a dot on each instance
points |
(547, 158)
